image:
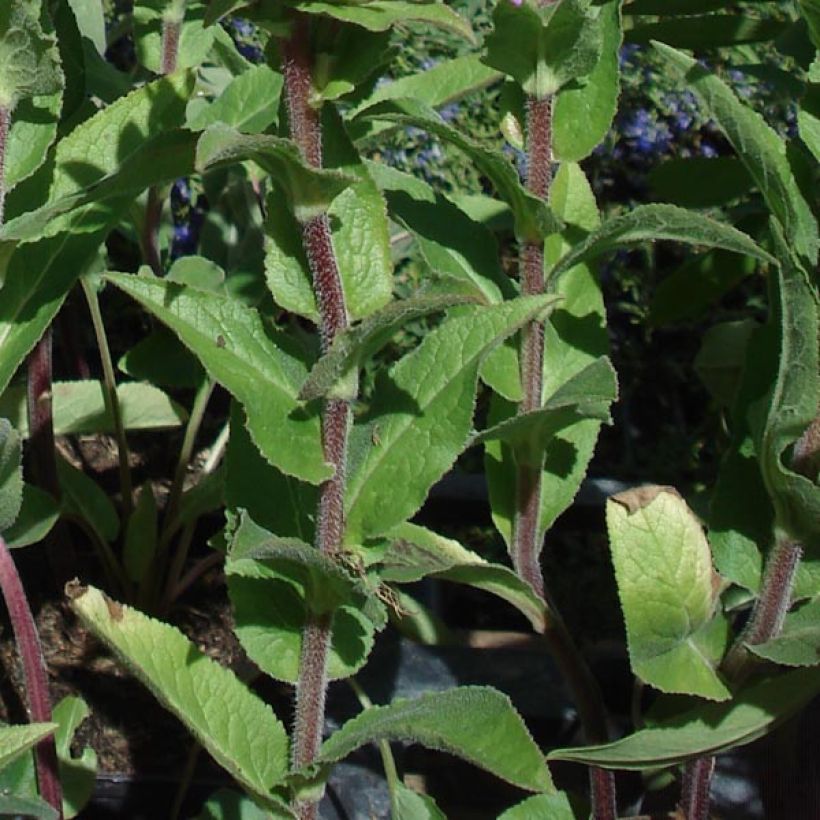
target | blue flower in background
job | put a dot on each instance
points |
(188, 214)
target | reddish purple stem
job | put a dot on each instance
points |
(34, 672)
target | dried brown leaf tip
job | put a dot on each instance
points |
(114, 609)
(74, 589)
(636, 499)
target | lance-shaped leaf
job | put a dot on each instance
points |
(758, 146)
(245, 738)
(446, 721)
(544, 48)
(421, 417)
(271, 610)
(798, 643)
(444, 83)
(326, 583)
(158, 160)
(16, 740)
(575, 336)
(360, 237)
(29, 61)
(352, 348)
(38, 514)
(533, 219)
(140, 547)
(707, 729)
(380, 15)
(11, 474)
(238, 351)
(708, 31)
(647, 223)
(38, 278)
(33, 130)
(309, 191)
(793, 403)
(80, 407)
(249, 103)
(587, 395)
(83, 498)
(582, 115)
(667, 587)
(543, 807)
(455, 246)
(415, 553)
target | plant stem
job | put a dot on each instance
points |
(5, 125)
(171, 31)
(697, 781)
(111, 399)
(526, 546)
(34, 671)
(305, 130)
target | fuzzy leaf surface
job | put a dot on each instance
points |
(445, 721)
(647, 223)
(798, 644)
(352, 348)
(666, 584)
(422, 416)
(533, 219)
(11, 474)
(237, 350)
(415, 553)
(758, 146)
(582, 115)
(706, 729)
(245, 738)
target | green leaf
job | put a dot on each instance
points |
(808, 115)
(575, 336)
(249, 103)
(545, 48)
(360, 237)
(667, 587)
(380, 15)
(38, 514)
(160, 358)
(197, 272)
(708, 31)
(455, 246)
(422, 414)
(16, 740)
(91, 22)
(444, 83)
(722, 356)
(647, 223)
(587, 394)
(29, 61)
(326, 583)
(415, 553)
(446, 721)
(33, 130)
(543, 807)
(791, 406)
(758, 146)
(706, 729)
(227, 804)
(309, 191)
(238, 351)
(698, 182)
(79, 408)
(83, 498)
(533, 219)
(271, 611)
(37, 280)
(195, 39)
(13, 806)
(353, 55)
(140, 545)
(246, 739)
(352, 348)
(11, 474)
(409, 805)
(251, 482)
(77, 774)
(582, 116)
(798, 643)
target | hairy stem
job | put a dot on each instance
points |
(171, 31)
(526, 546)
(697, 781)
(5, 125)
(112, 402)
(34, 671)
(305, 129)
